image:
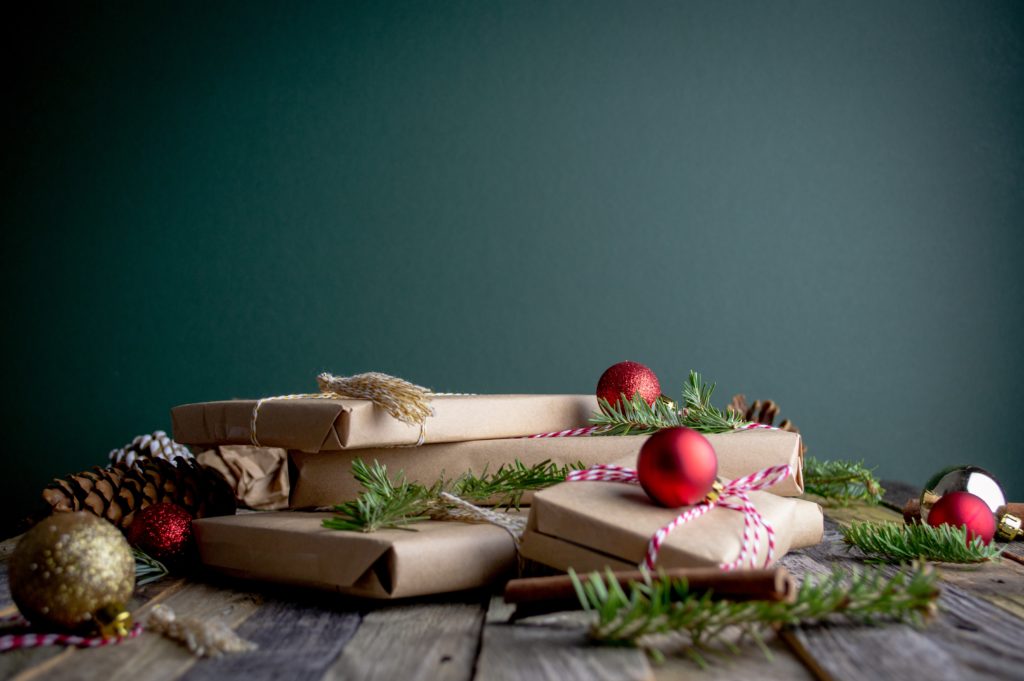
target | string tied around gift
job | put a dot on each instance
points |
(404, 401)
(733, 495)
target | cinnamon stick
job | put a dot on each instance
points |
(539, 595)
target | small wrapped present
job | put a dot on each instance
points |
(320, 424)
(429, 557)
(589, 525)
(325, 478)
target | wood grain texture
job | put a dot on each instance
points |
(151, 656)
(413, 641)
(298, 640)
(527, 652)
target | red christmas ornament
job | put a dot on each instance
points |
(628, 378)
(164, 531)
(963, 509)
(677, 467)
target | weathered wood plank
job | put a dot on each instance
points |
(529, 652)
(150, 656)
(298, 639)
(413, 641)
(751, 663)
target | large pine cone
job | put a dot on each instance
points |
(116, 493)
(155, 445)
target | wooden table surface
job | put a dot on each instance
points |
(312, 635)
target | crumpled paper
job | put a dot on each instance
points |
(258, 475)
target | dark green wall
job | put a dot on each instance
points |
(816, 202)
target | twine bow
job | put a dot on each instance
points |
(734, 496)
(405, 401)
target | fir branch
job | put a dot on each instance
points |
(387, 503)
(841, 482)
(506, 486)
(895, 542)
(699, 413)
(633, 416)
(383, 503)
(666, 606)
(147, 568)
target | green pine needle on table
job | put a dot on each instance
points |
(666, 606)
(895, 542)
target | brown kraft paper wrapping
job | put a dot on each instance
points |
(325, 425)
(290, 547)
(588, 525)
(325, 479)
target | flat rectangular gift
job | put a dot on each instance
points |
(325, 478)
(430, 557)
(325, 425)
(587, 525)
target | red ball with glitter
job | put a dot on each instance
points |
(164, 531)
(963, 509)
(677, 467)
(628, 378)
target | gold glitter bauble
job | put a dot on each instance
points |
(68, 569)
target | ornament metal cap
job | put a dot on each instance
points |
(717, 487)
(1009, 527)
(113, 620)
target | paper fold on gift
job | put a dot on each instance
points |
(293, 548)
(322, 425)
(325, 478)
(258, 475)
(587, 525)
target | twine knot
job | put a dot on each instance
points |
(405, 401)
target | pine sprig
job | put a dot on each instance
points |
(666, 606)
(383, 503)
(633, 416)
(841, 482)
(894, 542)
(506, 486)
(147, 568)
(394, 503)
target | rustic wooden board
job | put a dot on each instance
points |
(298, 640)
(416, 640)
(527, 652)
(151, 656)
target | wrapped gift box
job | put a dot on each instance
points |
(327, 425)
(587, 525)
(294, 548)
(325, 478)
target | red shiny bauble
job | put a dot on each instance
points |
(963, 509)
(164, 531)
(677, 467)
(628, 378)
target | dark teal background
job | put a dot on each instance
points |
(820, 203)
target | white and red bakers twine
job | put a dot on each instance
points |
(738, 489)
(591, 430)
(30, 640)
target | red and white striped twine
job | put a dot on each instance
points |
(734, 496)
(29, 640)
(592, 430)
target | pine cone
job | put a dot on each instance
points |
(763, 412)
(156, 445)
(116, 493)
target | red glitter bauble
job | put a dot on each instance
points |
(628, 378)
(677, 467)
(963, 509)
(164, 531)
